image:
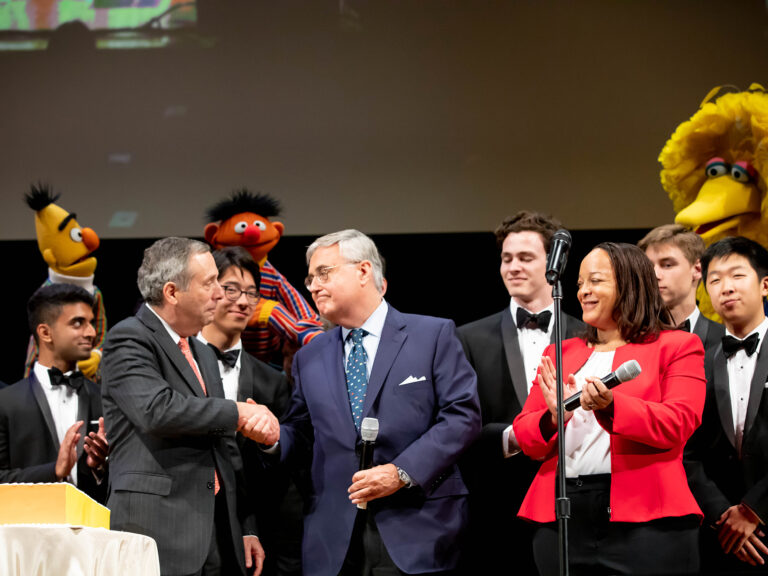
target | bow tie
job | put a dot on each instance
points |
(228, 358)
(732, 345)
(538, 321)
(74, 380)
(685, 326)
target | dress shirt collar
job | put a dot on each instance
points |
(171, 332)
(760, 330)
(693, 318)
(374, 325)
(513, 306)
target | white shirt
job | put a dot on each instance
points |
(230, 377)
(373, 326)
(532, 344)
(741, 369)
(587, 444)
(693, 318)
(63, 402)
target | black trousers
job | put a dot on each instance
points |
(667, 546)
(221, 560)
(367, 555)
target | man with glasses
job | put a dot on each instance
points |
(407, 512)
(244, 376)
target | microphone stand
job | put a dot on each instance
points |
(562, 502)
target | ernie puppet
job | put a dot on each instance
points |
(68, 249)
(283, 320)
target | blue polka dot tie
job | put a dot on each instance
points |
(357, 374)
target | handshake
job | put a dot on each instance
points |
(256, 422)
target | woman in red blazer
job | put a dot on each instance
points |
(631, 509)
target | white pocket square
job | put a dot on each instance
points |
(765, 385)
(411, 380)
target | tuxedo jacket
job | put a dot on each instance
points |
(424, 394)
(167, 438)
(29, 444)
(711, 333)
(653, 417)
(718, 476)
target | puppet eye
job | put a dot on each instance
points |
(260, 225)
(742, 172)
(76, 235)
(241, 226)
(716, 167)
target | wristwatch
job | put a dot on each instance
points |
(404, 478)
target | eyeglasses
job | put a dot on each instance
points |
(233, 293)
(322, 274)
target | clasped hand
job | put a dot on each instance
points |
(594, 394)
(256, 422)
(376, 482)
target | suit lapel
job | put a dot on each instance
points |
(515, 363)
(701, 328)
(333, 360)
(42, 403)
(392, 339)
(170, 348)
(83, 413)
(246, 375)
(209, 368)
(757, 386)
(723, 394)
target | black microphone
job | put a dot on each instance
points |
(558, 255)
(627, 371)
(369, 430)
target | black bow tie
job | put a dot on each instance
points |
(686, 326)
(74, 380)
(732, 345)
(538, 321)
(229, 358)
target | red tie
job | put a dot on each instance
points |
(184, 347)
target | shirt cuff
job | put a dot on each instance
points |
(509, 442)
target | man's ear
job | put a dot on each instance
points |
(365, 271)
(697, 271)
(170, 291)
(764, 287)
(43, 332)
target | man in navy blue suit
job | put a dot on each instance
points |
(410, 373)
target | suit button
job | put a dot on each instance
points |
(210, 485)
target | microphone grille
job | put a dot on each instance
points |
(369, 429)
(564, 235)
(628, 371)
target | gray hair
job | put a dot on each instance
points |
(354, 246)
(167, 260)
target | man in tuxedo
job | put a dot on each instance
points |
(409, 373)
(174, 459)
(42, 417)
(727, 457)
(505, 350)
(675, 253)
(244, 376)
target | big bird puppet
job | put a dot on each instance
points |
(283, 320)
(68, 249)
(714, 168)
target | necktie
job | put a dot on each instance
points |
(685, 326)
(357, 374)
(732, 345)
(74, 380)
(538, 321)
(184, 347)
(228, 358)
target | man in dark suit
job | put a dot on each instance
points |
(174, 459)
(244, 376)
(505, 350)
(676, 252)
(42, 436)
(410, 374)
(727, 457)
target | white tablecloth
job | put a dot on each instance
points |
(59, 550)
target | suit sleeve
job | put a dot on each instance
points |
(457, 420)
(40, 473)
(672, 420)
(527, 427)
(296, 433)
(132, 378)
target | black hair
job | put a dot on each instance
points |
(751, 250)
(237, 257)
(44, 306)
(39, 196)
(244, 201)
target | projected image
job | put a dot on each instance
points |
(29, 24)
